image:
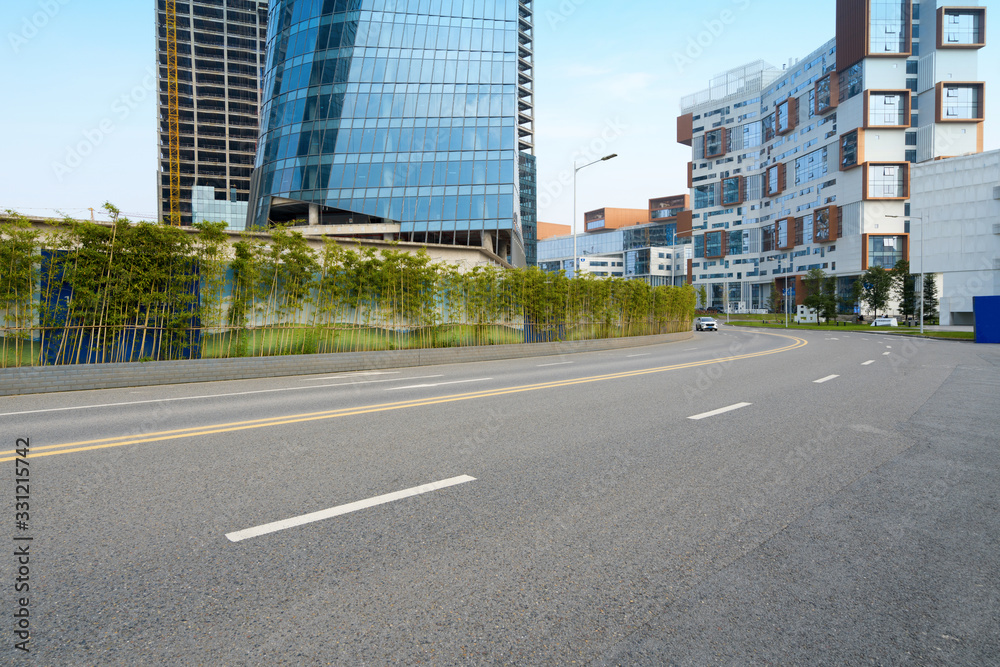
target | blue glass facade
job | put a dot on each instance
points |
(408, 115)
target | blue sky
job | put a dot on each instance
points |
(79, 115)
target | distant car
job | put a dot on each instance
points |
(705, 324)
(713, 309)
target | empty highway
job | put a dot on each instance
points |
(745, 497)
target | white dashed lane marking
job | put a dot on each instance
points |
(720, 411)
(345, 509)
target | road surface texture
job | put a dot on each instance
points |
(742, 498)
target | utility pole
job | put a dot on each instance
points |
(728, 302)
(921, 219)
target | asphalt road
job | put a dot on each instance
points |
(835, 502)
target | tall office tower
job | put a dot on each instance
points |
(209, 57)
(529, 207)
(808, 166)
(528, 168)
(401, 119)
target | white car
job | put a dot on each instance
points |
(705, 324)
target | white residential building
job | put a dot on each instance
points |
(809, 165)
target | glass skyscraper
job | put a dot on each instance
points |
(398, 118)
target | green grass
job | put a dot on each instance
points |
(305, 340)
(833, 328)
(9, 354)
(969, 335)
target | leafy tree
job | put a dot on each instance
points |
(212, 269)
(290, 270)
(876, 289)
(111, 293)
(832, 300)
(905, 288)
(821, 293)
(18, 271)
(703, 296)
(852, 299)
(247, 269)
(930, 297)
(774, 300)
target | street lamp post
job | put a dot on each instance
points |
(921, 219)
(576, 170)
(785, 294)
(727, 301)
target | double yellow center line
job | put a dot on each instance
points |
(160, 436)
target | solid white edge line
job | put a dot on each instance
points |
(193, 398)
(868, 363)
(826, 379)
(313, 517)
(437, 384)
(346, 376)
(720, 411)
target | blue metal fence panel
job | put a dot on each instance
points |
(67, 342)
(987, 319)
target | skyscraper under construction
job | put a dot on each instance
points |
(209, 58)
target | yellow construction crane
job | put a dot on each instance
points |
(173, 115)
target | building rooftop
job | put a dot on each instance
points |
(739, 81)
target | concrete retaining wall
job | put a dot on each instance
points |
(38, 380)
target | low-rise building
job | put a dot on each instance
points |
(604, 219)
(649, 248)
(547, 230)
